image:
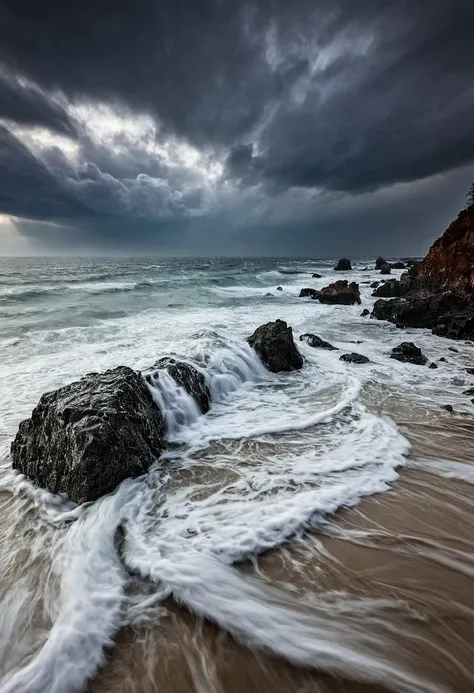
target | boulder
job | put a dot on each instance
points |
(394, 287)
(273, 343)
(316, 342)
(468, 370)
(340, 292)
(386, 269)
(344, 265)
(365, 312)
(397, 265)
(469, 391)
(87, 437)
(354, 358)
(379, 263)
(189, 378)
(407, 352)
(316, 276)
(448, 407)
(279, 288)
(433, 365)
(312, 293)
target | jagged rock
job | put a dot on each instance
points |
(379, 263)
(87, 437)
(279, 288)
(315, 341)
(340, 292)
(433, 365)
(189, 378)
(407, 352)
(354, 358)
(374, 285)
(273, 343)
(365, 312)
(316, 276)
(312, 293)
(421, 309)
(344, 265)
(386, 269)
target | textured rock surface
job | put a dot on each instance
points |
(87, 437)
(312, 293)
(316, 342)
(354, 358)
(344, 265)
(449, 265)
(274, 344)
(340, 292)
(386, 269)
(190, 379)
(407, 352)
(394, 287)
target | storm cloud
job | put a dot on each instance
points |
(314, 126)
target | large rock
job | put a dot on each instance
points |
(311, 293)
(274, 344)
(354, 358)
(379, 263)
(423, 309)
(394, 287)
(340, 292)
(87, 437)
(189, 378)
(386, 269)
(314, 341)
(344, 265)
(407, 352)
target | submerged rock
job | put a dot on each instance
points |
(279, 288)
(316, 342)
(190, 379)
(433, 365)
(317, 276)
(273, 343)
(407, 352)
(448, 407)
(374, 285)
(87, 437)
(354, 358)
(469, 391)
(365, 312)
(340, 292)
(313, 293)
(344, 265)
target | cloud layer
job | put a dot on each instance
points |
(222, 127)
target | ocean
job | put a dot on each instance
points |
(263, 473)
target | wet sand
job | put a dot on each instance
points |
(413, 545)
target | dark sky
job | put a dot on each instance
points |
(229, 127)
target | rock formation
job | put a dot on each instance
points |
(340, 292)
(312, 293)
(316, 342)
(189, 378)
(273, 343)
(394, 287)
(379, 263)
(87, 437)
(407, 352)
(386, 269)
(344, 265)
(354, 358)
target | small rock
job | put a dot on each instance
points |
(344, 265)
(469, 370)
(316, 276)
(316, 342)
(444, 360)
(400, 326)
(311, 293)
(469, 391)
(273, 343)
(189, 378)
(279, 288)
(365, 312)
(456, 351)
(433, 365)
(340, 292)
(397, 265)
(374, 285)
(407, 352)
(269, 294)
(448, 407)
(354, 358)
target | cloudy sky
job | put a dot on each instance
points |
(219, 127)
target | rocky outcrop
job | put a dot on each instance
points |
(344, 265)
(386, 269)
(273, 343)
(311, 293)
(354, 358)
(427, 310)
(340, 292)
(407, 352)
(189, 378)
(394, 287)
(87, 437)
(379, 263)
(316, 342)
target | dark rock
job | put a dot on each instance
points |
(397, 265)
(354, 358)
(312, 293)
(365, 312)
(433, 365)
(279, 288)
(386, 269)
(469, 391)
(444, 360)
(394, 287)
(317, 276)
(315, 341)
(469, 370)
(456, 351)
(189, 378)
(269, 294)
(340, 292)
(273, 343)
(379, 263)
(344, 265)
(87, 437)
(374, 285)
(448, 407)
(400, 326)
(407, 352)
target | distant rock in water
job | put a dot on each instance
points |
(433, 365)
(316, 276)
(354, 358)
(86, 438)
(190, 379)
(279, 288)
(273, 343)
(386, 269)
(312, 293)
(365, 312)
(397, 265)
(407, 352)
(340, 292)
(316, 342)
(344, 265)
(379, 263)
(374, 285)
